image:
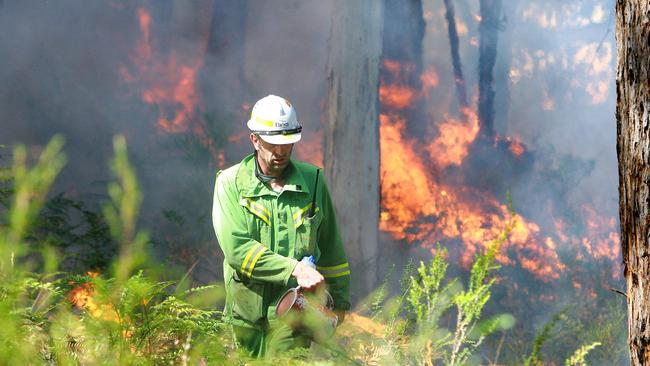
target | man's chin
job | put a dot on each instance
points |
(277, 169)
(280, 166)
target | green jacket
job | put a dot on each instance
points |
(263, 234)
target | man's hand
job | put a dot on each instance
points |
(307, 277)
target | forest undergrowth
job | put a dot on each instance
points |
(125, 312)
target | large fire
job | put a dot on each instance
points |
(170, 84)
(420, 203)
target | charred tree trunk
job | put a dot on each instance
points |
(633, 147)
(404, 29)
(459, 80)
(352, 131)
(488, 39)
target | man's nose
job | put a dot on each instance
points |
(282, 149)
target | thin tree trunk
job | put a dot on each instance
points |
(459, 80)
(488, 39)
(633, 147)
(352, 131)
(404, 29)
(509, 10)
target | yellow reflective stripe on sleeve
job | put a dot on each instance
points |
(332, 268)
(340, 274)
(299, 216)
(252, 250)
(254, 262)
(257, 210)
(334, 271)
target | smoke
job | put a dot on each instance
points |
(554, 105)
(77, 68)
(554, 94)
(91, 70)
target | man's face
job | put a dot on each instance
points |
(273, 159)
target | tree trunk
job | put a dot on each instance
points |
(633, 147)
(488, 37)
(459, 80)
(403, 31)
(352, 131)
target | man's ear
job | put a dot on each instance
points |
(254, 140)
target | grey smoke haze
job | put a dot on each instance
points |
(548, 55)
(60, 65)
(60, 73)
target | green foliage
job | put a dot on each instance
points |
(535, 358)
(578, 358)
(25, 296)
(414, 333)
(575, 332)
(80, 236)
(69, 319)
(122, 213)
(425, 298)
(129, 316)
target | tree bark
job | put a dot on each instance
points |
(633, 148)
(352, 131)
(488, 38)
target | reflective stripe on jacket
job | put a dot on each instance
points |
(263, 234)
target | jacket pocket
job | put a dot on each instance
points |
(246, 298)
(307, 235)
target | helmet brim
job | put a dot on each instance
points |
(275, 139)
(281, 139)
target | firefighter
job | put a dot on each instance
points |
(270, 212)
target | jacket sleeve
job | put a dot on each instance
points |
(248, 257)
(333, 262)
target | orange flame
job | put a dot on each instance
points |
(516, 147)
(171, 86)
(452, 145)
(400, 95)
(83, 297)
(418, 206)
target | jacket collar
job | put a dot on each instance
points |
(250, 186)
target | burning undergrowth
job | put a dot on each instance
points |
(439, 188)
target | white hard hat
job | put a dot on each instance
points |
(274, 120)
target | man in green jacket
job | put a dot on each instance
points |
(266, 222)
